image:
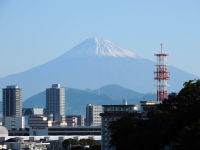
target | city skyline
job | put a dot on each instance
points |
(35, 33)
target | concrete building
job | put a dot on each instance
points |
(19, 132)
(55, 102)
(113, 113)
(93, 117)
(14, 122)
(71, 121)
(32, 111)
(79, 130)
(80, 119)
(12, 102)
(38, 125)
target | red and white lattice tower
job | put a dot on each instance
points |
(161, 75)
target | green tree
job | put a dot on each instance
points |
(94, 145)
(67, 142)
(175, 124)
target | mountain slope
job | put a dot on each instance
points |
(117, 92)
(93, 64)
(76, 100)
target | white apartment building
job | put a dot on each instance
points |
(93, 117)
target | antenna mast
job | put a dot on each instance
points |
(161, 75)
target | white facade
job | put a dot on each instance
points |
(113, 113)
(14, 122)
(93, 117)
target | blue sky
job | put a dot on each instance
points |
(34, 32)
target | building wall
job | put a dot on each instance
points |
(38, 131)
(39, 125)
(112, 113)
(80, 119)
(14, 122)
(85, 130)
(71, 121)
(93, 117)
(55, 102)
(12, 102)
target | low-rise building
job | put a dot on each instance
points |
(14, 122)
(32, 111)
(19, 132)
(38, 125)
(71, 121)
(80, 119)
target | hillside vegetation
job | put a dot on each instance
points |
(175, 124)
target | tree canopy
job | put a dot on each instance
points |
(174, 125)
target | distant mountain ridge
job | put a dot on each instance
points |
(93, 64)
(76, 99)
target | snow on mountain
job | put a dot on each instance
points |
(99, 47)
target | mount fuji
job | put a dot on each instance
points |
(92, 64)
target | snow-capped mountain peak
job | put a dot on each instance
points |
(107, 48)
(99, 47)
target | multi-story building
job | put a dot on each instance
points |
(14, 123)
(32, 111)
(113, 113)
(55, 102)
(93, 117)
(80, 119)
(12, 102)
(71, 121)
(38, 125)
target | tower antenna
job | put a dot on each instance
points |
(161, 75)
